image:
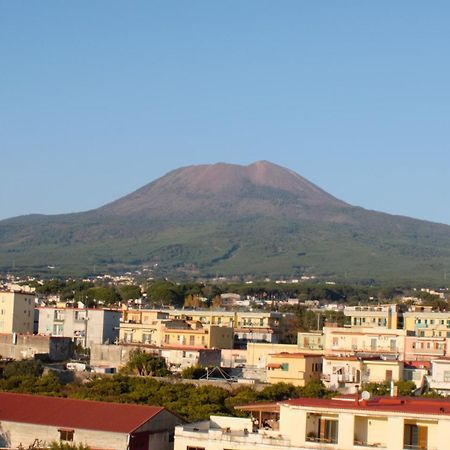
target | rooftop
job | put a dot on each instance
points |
(73, 413)
(409, 405)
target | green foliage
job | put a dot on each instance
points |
(105, 294)
(404, 388)
(23, 368)
(129, 292)
(161, 292)
(146, 364)
(193, 372)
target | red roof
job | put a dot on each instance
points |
(411, 405)
(73, 414)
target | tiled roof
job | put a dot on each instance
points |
(73, 413)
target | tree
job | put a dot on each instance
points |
(146, 364)
(130, 292)
(193, 372)
(28, 367)
(104, 294)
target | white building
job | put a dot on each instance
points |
(85, 326)
(342, 423)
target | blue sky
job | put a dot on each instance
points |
(99, 98)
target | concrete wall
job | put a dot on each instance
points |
(27, 346)
(13, 435)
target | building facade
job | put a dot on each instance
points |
(342, 423)
(16, 312)
(85, 326)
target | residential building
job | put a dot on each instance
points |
(312, 341)
(295, 368)
(33, 421)
(424, 322)
(426, 348)
(195, 334)
(84, 325)
(248, 326)
(142, 326)
(341, 423)
(349, 372)
(364, 342)
(16, 312)
(439, 380)
(379, 316)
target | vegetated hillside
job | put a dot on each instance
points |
(225, 219)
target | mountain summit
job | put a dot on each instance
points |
(255, 220)
(223, 188)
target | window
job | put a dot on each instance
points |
(415, 436)
(285, 366)
(194, 448)
(167, 339)
(373, 344)
(446, 375)
(65, 435)
(191, 340)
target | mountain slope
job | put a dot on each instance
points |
(227, 219)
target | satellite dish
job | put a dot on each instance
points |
(365, 395)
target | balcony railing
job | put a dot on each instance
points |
(322, 440)
(369, 444)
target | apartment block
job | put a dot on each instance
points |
(16, 312)
(374, 316)
(370, 341)
(85, 326)
(424, 322)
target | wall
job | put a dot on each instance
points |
(27, 346)
(17, 434)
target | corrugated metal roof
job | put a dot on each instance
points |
(73, 413)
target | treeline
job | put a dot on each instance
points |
(188, 400)
(164, 293)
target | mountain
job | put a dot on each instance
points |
(225, 219)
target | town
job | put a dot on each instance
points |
(371, 374)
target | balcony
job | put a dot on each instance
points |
(368, 445)
(313, 437)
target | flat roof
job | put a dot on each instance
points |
(408, 405)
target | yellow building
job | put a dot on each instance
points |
(368, 316)
(294, 368)
(16, 312)
(249, 326)
(153, 327)
(426, 323)
(194, 334)
(142, 326)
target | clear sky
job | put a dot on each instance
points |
(98, 98)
